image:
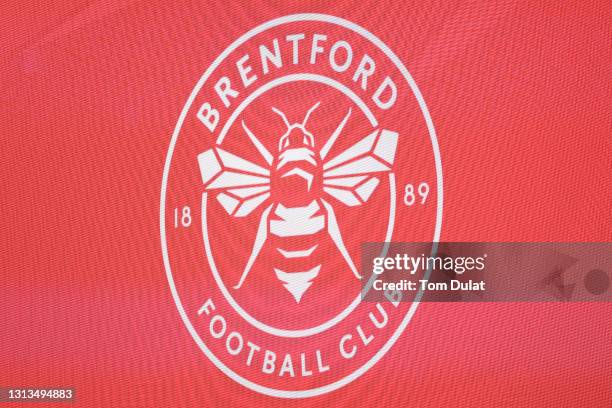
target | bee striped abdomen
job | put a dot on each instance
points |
(297, 222)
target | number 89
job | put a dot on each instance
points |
(410, 196)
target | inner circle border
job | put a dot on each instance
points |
(439, 209)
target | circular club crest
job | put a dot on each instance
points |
(304, 139)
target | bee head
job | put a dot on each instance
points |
(296, 136)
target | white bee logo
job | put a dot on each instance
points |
(350, 177)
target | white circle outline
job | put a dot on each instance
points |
(272, 330)
(434, 141)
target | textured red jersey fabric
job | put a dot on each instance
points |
(90, 93)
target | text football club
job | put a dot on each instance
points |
(305, 138)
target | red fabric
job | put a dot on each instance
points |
(89, 96)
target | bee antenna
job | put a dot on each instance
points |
(282, 115)
(316, 105)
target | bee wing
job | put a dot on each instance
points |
(243, 186)
(351, 176)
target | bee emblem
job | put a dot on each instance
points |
(350, 178)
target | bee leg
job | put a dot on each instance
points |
(260, 239)
(336, 236)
